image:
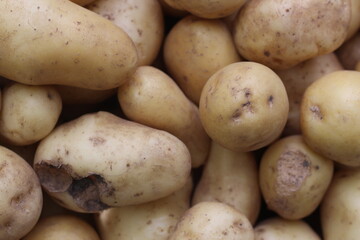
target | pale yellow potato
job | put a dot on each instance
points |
(244, 106)
(349, 52)
(142, 20)
(154, 220)
(152, 98)
(298, 78)
(355, 19)
(282, 34)
(59, 42)
(28, 113)
(20, 196)
(277, 228)
(232, 178)
(82, 2)
(215, 221)
(293, 178)
(196, 48)
(100, 160)
(330, 116)
(65, 226)
(340, 209)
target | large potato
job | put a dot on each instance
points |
(60, 42)
(282, 34)
(244, 106)
(99, 161)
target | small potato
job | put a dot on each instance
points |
(99, 160)
(330, 116)
(232, 178)
(281, 34)
(213, 220)
(244, 106)
(196, 48)
(21, 197)
(28, 113)
(293, 178)
(152, 98)
(349, 52)
(62, 227)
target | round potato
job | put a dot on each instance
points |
(244, 106)
(349, 52)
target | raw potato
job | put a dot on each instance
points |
(349, 52)
(99, 161)
(59, 42)
(244, 106)
(355, 19)
(276, 228)
(62, 227)
(20, 196)
(155, 220)
(293, 178)
(213, 220)
(142, 20)
(282, 34)
(152, 98)
(28, 113)
(232, 178)
(196, 48)
(330, 115)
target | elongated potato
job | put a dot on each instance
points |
(99, 161)
(60, 42)
(152, 98)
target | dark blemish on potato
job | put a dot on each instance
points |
(316, 112)
(267, 53)
(270, 100)
(53, 178)
(108, 16)
(306, 164)
(149, 222)
(224, 233)
(49, 96)
(128, 165)
(317, 167)
(247, 92)
(139, 31)
(236, 115)
(138, 194)
(96, 141)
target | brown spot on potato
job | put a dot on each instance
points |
(270, 100)
(315, 109)
(267, 53)
(96, 141)
(53, 178)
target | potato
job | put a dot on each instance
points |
(20, 196)
(154, 220)
(355, 19)
(59, 42)
(148, 98)
(244, 106)
(62, 227)
(329, 116)
(282, 34)
(142, 20)
(293, 178)
(298, 78)
(213, 220)
(100, 160)
(28, 113)
(276, 228)
(196, 48)
(232, 178)
(349, 52)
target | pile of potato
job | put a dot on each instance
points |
(179, 119)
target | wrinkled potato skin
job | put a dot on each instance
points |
(281, 34)
(195, 49)
(48, 42)
(293, 178)
(244, 106)
(152, 98)
(20, 196)
(232, 178)
(329, 116)
(142, 20)
(349, 52)
(115, 162)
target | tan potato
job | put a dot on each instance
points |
(329, 116)
(232, 178)
(298, 78)
(20, 196)
(355, 19)
(349, 52)
(142, 20)
(154, 220)
(59, 42)
(293, 178)
(152, 98)
(244, 106)
(99, 161)
(62, 227)
(213, 220)
(82, 2)
(28, 113)
(282, 34)
(196, 48)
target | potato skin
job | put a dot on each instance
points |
(48, 42)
